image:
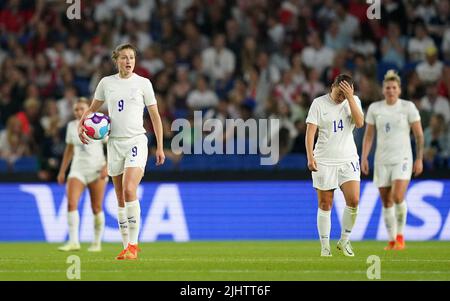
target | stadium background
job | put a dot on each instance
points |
(276, 57)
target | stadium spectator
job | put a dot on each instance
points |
(431, 69)
(437, 144)
(202, 97)
(218, 61)
(419, 43)
(435, 103)
(13, 142)
(316, 55)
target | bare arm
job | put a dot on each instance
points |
(158, 128)
(95, 106)
(418, 136)
(311, 130)
(367, 146)
(67, 157)
(357, 115)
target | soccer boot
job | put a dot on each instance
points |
(399, 243)
(345, 247)
(325, 252)
(390, 246)
(95, 248)
(131, 252)
(70, 246)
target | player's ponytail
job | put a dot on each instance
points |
(392, 75)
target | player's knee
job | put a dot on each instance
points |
(397, 198)
(325, 206)
(354, 202)
(130, 192)
(96, 209)
(72, 206)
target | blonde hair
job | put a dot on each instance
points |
(84, 100)
(115, 53)
(392, 75)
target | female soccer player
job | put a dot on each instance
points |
(127, 94)
(334, 162)
(84, 172)
(392, 120)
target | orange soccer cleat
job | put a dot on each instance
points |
(121, 255)
(390, 246)
(132, 252)
(399, 242)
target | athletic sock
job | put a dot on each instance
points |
(99, 226)
(123, 225)
(348, 221)
(324, 227)
(73, 219)
(133, 210)
(401, 212)
(390, 222)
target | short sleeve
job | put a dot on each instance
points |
(413, 113)
(149, 94)
(313, 114)
(370, 117)
(69, 137)
(100, 91)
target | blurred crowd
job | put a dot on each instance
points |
(230, 59)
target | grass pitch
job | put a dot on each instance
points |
(227, 261)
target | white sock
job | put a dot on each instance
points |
(348, 221)
(73, 218)
(99, 226)
(400, 212)
(390, 222)
(324, 227)
(134, 219)
(123, 225)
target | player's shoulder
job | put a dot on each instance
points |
(407, 103)
(376, 104)
(72, 123)
(319, 100)
(142, 79)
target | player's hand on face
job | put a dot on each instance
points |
(160, 157)
(346, 88)
(61, 178)
(365, 166)
(312, 165)
(418, 167)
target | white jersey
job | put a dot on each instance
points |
(86, 156)
(335, 144)
(393, 125)
(126, 99)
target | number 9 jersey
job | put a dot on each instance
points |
(126, 99)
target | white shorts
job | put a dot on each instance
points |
(86, 177)
(329, 177)
(384, 174)
(126, 152)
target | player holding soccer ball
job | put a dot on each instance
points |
(127, 94)
(84, 172)
(392, 119)
(334, 162)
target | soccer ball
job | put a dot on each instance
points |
(97, 126)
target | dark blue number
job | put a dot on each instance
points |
(340, 125)
(355, 166)
(120, 105)
(134, 151)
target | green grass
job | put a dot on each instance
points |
(228, 261)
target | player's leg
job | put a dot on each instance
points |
(398, 192)
(388, 215)
(351, 190)
(74, 190)
(131, 179)
(97, 193)
(325, 203)
(121, 212)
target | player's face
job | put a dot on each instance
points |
(79, 109)
(391, 90)
(338, 95)
(126, 61)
